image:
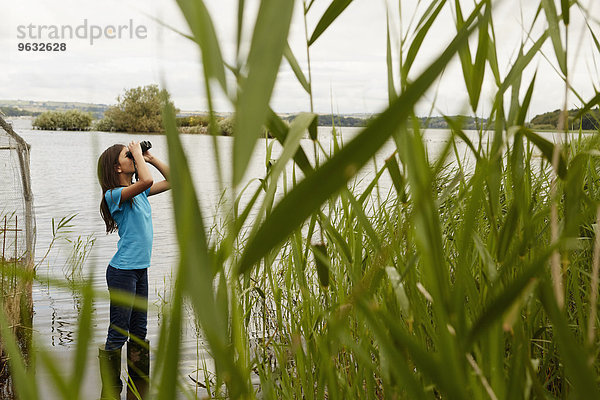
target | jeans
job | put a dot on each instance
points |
(124, 316)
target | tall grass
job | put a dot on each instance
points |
(465, 281)
(15, 305)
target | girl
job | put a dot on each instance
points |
(125, 209)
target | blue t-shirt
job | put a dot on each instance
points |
(134, 220)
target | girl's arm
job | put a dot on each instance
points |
(163, 168)
(144, 176)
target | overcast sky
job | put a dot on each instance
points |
(348, 61)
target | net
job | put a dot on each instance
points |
(17, 219)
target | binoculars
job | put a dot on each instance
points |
(145, 145)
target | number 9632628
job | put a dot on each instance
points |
(42, 46)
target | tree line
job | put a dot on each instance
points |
(17, 112)
(550, 120)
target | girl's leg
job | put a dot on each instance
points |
(139, 315)
(119, 281)
(138, 356)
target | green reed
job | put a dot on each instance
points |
(468, 279)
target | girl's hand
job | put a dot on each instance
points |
(148, 157)
(135, 148)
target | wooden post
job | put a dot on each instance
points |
(14, 274)
(4, 238)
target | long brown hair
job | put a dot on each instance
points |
(109, 179)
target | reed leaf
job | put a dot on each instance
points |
(457, 129)
(21, 376)
(280, 131)
(526, 101)
(84, 337)
(417, 42)
(478, 70)
(322, 263)
(372, 185)
(588, 106)
(171, 341)
(565, 7)
(554, 31)
(266, 51)
(202, 28)
(240, 25)
(547, 149)
(362, 218)
(583, 378)
(492, 57)
(392, 94)
(336, 237)
(385, 340)
(429, 364)
(495, 308)
(292, 142)
(397, 179)
(521, 62)
(291, 59)
(333, 11)
(197, 272)
(56, 373)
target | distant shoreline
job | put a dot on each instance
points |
(30, 109)
(192, 131)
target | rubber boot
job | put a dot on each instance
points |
(110, 373)
(138, 368)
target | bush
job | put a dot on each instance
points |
(138, 110)
(226, 126)
(194, 120)
(105, 124)
(72, 120)
(544, 127)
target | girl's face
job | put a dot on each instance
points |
(125, 164)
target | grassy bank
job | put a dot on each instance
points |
(16, 320)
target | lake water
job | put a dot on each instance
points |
(63, 173)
